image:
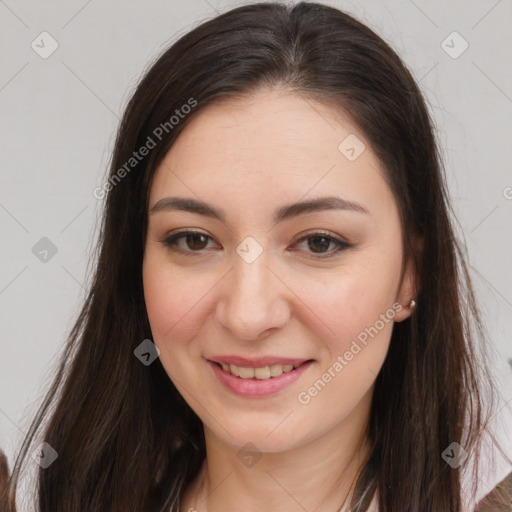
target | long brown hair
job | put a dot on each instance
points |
(126, 440)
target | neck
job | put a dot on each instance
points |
(318, 475)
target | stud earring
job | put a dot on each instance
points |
(412, 304)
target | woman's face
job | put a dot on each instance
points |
(265, 281)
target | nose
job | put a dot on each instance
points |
(253, 302)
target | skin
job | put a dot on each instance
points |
(249, 157)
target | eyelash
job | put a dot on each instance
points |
(170, 242)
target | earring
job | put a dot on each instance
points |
(412, 304)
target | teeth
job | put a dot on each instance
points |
(264, 373)
(245, 373)
(276, 370)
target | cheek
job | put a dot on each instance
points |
(173, 302)
(354, 301)
(358, 310)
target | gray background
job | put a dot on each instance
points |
(59, 115)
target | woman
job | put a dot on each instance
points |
(280, 316)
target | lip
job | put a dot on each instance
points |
(255, 387)
(256, 362)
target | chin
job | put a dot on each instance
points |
(264, 437)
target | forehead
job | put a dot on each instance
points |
(277, 145)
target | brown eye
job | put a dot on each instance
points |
(196, 241)
(319, 243)
(187, 242)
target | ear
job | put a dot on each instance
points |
(410, 283)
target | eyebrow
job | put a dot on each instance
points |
(281, 214)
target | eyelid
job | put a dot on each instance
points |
(320, 232)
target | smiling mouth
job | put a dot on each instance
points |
(262, 373)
